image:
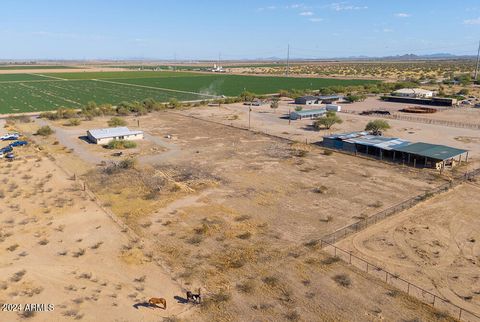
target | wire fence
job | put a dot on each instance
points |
(406, 204)
(439, 303)
(409, 118)
(327, 244)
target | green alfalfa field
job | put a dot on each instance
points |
(49, 91)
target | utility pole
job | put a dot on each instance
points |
(288, 60)
(478, 63)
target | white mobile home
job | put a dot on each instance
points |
(104, 136)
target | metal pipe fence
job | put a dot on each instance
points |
(416, 119)
(401, 284)
(327, 244)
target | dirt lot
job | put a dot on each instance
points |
(276, 122)
(435, 245)
(235, 213)
(59, 247)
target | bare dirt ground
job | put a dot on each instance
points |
(237, 213)
(435, 245)
(59, 247)
(276, 122)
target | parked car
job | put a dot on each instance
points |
(18, 143)
(10, 156)
(10, 136)
(6, 149)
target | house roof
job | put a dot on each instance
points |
(434, 151)
(112, 132)
(310, 112)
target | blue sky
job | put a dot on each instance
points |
(87, 29)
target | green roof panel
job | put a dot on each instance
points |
(433, 151)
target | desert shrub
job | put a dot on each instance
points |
(18, 276)
(330, 260)
(26, 314)
(377, 204)
(127, 164)
(73, 122)
(12, 247)
(292, 316)
(79, 252)
(96, 245)
(140, 279)
(121, 144)
(313, 243)
(327, 218)
(393, 293)
(116, 121)
(270, 281)
(343, 280)
(43, 242)
(44, 131)
(245, 287)
(245, 235)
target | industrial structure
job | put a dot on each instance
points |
(397, 150)
(104, 136)
(312, 100)
(413, 92)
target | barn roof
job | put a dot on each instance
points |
(434, 151)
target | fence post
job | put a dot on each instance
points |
(335, 251)
(460, 314)
(408, 289)
(350, 261)
(386, 277)
(367, 267)
(434, 297)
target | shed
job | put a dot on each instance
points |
(298, 115)
(307, 100)
(104, 136)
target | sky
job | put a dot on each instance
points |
(231, 29)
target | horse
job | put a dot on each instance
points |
(195, 298)
(154, 301)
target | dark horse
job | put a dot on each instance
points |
(195, 298)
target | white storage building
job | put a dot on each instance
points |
(104, 136)
(413, 92)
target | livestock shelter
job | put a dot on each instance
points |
(435, 101)
(104, 136)
(396, 150)
(298, 115)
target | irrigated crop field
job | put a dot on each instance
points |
(39, 92)
(21, 67)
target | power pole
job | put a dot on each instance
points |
(288, 60)
(478, 63)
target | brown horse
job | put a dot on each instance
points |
(154, 301)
